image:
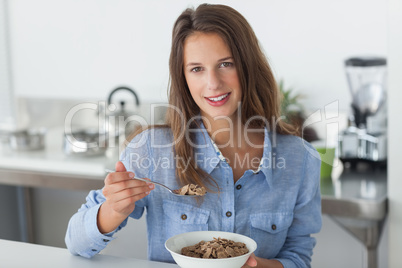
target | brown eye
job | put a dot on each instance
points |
(196, 69)
(226, 64)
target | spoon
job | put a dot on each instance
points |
(174, 192)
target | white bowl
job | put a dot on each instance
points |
(176, 243)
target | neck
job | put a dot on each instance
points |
(222, 130)
(229, 132)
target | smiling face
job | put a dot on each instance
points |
(211, 75)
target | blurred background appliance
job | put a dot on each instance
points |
(365, 139)
(117, 128)
(121, 122)
(85, 142)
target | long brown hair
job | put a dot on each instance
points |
(260, 94)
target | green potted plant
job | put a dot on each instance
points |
(294, 111)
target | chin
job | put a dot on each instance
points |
(224, 116)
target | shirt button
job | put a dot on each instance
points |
(105, 240)
(94, 250)
(228, 214)
(257, 173)
(238, 187)
(273, 227)
(183, 217)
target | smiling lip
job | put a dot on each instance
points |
(218, 100)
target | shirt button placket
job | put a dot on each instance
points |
(228, 221)
(228, 200)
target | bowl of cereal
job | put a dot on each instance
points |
(212, 249)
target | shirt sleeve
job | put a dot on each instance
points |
(298, 247)
(83, 236)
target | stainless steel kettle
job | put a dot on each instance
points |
(119, 125)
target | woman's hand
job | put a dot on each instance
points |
(121, 193)
(251, 262)
(254, 261)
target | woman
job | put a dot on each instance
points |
(223, 132)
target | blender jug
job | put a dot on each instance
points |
(366, 137)
(366, 78)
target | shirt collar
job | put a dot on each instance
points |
(204, 152)
(208, 157)
(268, 157)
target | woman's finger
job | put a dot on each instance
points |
(132, 191)
(116, 177)
(251, 262)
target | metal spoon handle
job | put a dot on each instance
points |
(141, 179)
(157, 183)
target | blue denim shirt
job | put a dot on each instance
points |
(279, 206)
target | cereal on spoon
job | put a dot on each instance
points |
(191, 189)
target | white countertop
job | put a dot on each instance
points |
(52, 159)
(17, 254)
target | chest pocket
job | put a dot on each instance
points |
(269, 230)
(181, 218)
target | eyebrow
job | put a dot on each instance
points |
(197, 63)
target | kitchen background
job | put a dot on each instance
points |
(55, 54)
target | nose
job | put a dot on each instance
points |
(214, 80)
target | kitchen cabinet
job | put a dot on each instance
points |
(357, 201)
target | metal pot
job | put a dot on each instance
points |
(84, 143)
(27, 140)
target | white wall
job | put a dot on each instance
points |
(7, 111)
(75, 48)
(395, 130)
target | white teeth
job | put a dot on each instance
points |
(219, 98)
